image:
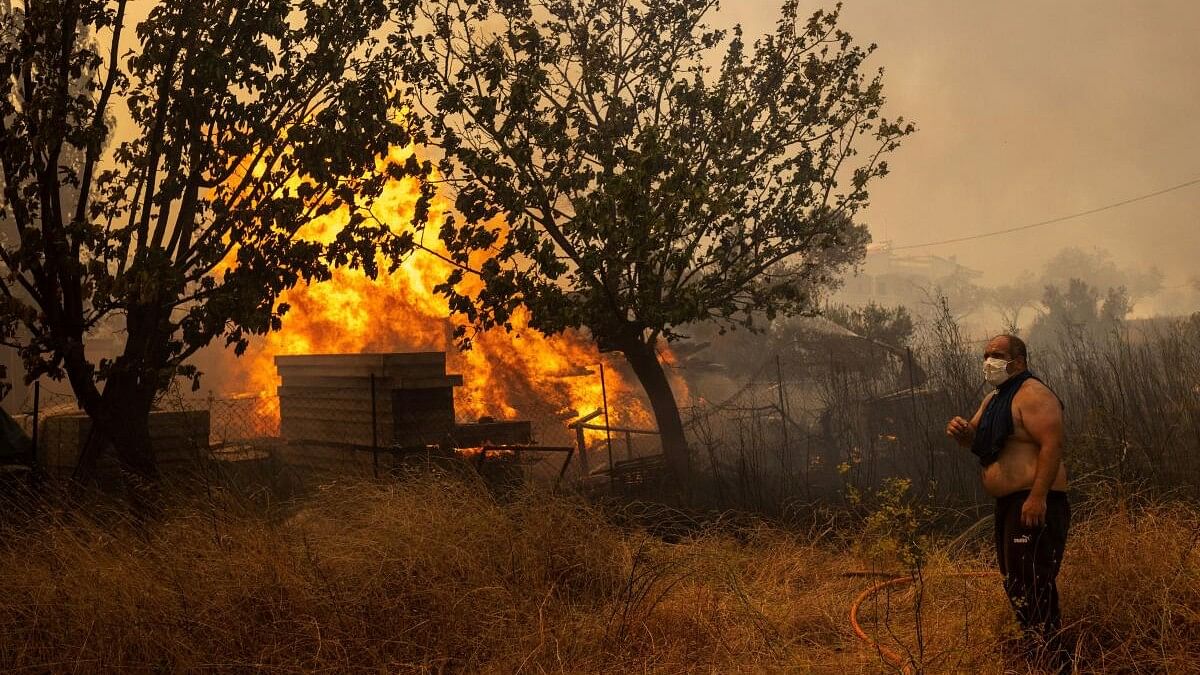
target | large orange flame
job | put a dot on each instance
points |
(507, 374)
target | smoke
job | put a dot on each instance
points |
(1028, 111)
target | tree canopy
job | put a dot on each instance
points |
(246, 119)
(1079, 311)
(890, 325)
(629, 170)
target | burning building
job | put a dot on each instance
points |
(333, 406)
(508, 373)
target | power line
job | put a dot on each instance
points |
(1051, 221)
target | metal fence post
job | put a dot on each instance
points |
(786, 455)
(33, 440)
(374, 431)
(209, 440)
(607, 425)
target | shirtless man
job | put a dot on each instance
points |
(1017, 434)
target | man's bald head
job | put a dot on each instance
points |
(1008, 348)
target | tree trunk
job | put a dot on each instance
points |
(91, 452)
(135, 454)
(644, 361)
(120, 417)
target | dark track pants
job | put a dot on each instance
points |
(1029, 559)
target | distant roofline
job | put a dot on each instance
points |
(884, 247)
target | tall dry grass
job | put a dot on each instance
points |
(1132, 586)
(425, 576)
(439, 576)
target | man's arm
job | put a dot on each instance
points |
(1041, 415)
(963, 431)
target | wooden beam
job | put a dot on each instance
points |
(600, 427)
(362, 382)
(381, 359)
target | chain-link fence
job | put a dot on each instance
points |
(186, 431)
(366, 428)
(802, 425)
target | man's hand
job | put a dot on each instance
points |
(1033, 511)
(960, 430)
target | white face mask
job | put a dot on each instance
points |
(995, 371)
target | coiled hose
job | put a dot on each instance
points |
(887, 653)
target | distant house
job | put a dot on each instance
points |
(889, 278)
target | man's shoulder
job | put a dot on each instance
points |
(1034, 392)
(1033, 386)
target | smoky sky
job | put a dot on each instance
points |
(1031, 110)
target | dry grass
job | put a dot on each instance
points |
(1133, 587)
(441, 577)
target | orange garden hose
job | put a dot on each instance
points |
(888, 654)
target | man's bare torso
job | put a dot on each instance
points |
(1016, 466)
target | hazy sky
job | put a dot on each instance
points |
(1031, 110)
